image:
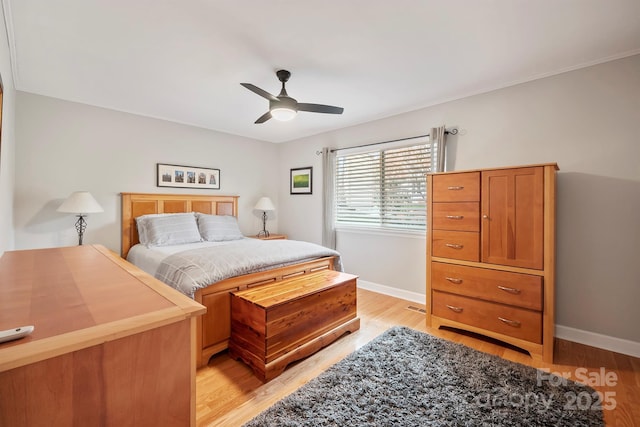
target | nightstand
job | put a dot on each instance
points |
(271, 237)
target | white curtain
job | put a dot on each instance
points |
(328, 175)
(437, 137)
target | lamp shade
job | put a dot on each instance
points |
(80, 202)
(264, 204)
(283, 114)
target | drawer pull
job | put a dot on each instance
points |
(454, 308)
(509, 322)
(510, 290)
(453, 246)
(455, 217)
(454, 280)
(455, 187)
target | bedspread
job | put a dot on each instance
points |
(190, 270)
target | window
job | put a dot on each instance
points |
(385, 188)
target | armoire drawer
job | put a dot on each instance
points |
(512, 321)
(522, 290)
(456, 187)
(464, 245)
(456, 216)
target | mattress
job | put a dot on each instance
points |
(189, 267)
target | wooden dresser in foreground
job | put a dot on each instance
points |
(491, 254)
(112, 346)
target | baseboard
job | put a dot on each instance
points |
(594, 339)
(392, 292)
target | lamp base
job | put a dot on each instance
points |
(264, 232)
(81, 225)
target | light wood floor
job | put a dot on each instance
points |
(228, 394)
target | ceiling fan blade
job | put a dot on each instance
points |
(263, 118)
(319, 108)
(263, 93)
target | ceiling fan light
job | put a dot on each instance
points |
(283, 114)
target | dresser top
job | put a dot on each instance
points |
(553, 165)
(78, 297)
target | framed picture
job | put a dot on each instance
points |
(188, 177)
(301, 180)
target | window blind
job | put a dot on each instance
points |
(383, 188)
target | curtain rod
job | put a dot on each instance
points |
(453, 131)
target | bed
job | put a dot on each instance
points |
(213, 328)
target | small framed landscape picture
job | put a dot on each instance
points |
(301, 180)
(188, 177)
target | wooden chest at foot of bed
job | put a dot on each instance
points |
(274, 325)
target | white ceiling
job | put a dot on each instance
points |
(184, 60)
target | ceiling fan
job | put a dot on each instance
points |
(283, 107)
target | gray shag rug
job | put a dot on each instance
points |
(409, 378)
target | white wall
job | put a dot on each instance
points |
(7, 143)
(64, 147)
(588, 121)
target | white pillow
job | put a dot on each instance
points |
(218, 228)
(140, 223)
(167, 229)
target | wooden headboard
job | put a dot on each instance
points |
(136, 204)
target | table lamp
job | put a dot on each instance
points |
(264, 205)
(80, 203)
